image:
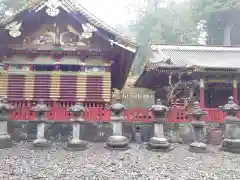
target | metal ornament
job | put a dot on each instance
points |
(88, 29)
(14, 29)
(52, 9)
(52, 12)
(14, 34)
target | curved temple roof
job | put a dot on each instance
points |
(171, 57)
(188, 56)
(69, 6)
(82, 15)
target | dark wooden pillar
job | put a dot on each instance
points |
(6, 67)
(57, 66)
(201, 93)
(235, 91)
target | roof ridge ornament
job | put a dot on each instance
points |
(52, 9)
(14, 29)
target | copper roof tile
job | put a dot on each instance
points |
(211, 57)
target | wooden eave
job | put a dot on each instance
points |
(118, 39)
(196, 68)
(30, 5)
(193, 69)
(34, 4)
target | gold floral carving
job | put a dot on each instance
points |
(14, 29)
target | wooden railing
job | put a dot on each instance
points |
(60, 114)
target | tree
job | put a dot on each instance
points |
(178, 89)
(221, 17)
(161, 22)
(204, 8)
(143, 29)
(166, 22)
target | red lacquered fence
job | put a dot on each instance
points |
(97, 112)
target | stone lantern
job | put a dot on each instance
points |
(159, 142)
(40, 109)
(198, 126)
(77, 111)
(117, 140)
(5, 109)
(231, 142)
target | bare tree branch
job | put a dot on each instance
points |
(188, 89)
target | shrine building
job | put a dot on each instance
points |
(59, 52)
(206, 74)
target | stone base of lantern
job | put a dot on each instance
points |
(76, 145)
(159, 144)
(231, 145)
(40, 143)
(5, 141)
(117, 143)
(198, 147)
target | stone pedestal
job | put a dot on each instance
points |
(117, 140)
(76, 143)
(41, 141)
(5, 109)
(40, 109)
(174, 136)
(215, 136)
(231, 145)
(159, 142)
(5, 138)
(138, 136)
(198, 146)
(197, 123)
(231, 142)
(117, 126)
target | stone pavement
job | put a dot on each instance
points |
(97, 163)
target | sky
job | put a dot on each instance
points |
(110, 11)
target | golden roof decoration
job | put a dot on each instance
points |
(52, 9)
(14, 28)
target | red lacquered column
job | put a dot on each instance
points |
(30, 67)
(201, 94)
(235, 91)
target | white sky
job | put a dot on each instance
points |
(110, 11)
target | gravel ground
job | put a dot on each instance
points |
(97, 163)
